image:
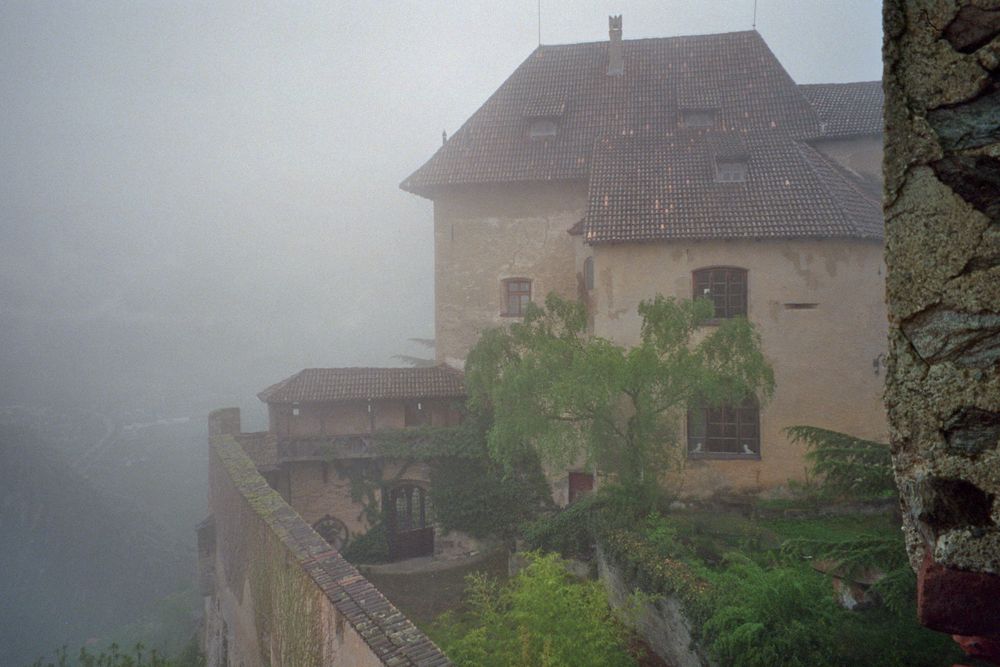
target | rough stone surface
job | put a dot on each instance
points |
(971, 125)
(973, 431)
(942, 177)
(975, 178)
(661, 623)
(972, 28)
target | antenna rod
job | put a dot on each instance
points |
(754, 26)
(540, 22)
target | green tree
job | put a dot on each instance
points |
(571, 396)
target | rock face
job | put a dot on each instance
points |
(942, 210)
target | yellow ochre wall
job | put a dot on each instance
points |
(828, 361)
(485, 235)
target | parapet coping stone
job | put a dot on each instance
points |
(391, 636)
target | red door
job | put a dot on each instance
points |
(580, 484)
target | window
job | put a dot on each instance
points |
(416, 414)
(542, 127)
(517, 295)
(588, 273)
(726, 287)
(726, 431)
(730, 171)
(410, 507)
(698, 117)
(333, 531)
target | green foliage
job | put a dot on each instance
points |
(114, 657)
(571, 396)
(786, 615)
(372, 547)
(779, 616)
(847, 466)
(851, 557)
(541, 617)
(480, 498)
(568, 532)
(470, 491)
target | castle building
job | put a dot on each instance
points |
(690, 167)
(610, 172)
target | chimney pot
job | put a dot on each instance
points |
(616, 58)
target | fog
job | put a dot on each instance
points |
(198, 199)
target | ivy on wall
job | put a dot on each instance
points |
(469, 491)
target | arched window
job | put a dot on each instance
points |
(333, 531)
(725, 431)
(726, 286)
(588, 273)
(407, 512)
(517, 295)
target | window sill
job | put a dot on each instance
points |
(723, 456)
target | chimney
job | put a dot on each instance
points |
(616, 59)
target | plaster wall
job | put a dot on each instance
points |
(485, 235)
(827, 359)
(862, 155)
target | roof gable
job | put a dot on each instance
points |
(734, 74)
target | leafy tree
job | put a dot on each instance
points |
(572, 396)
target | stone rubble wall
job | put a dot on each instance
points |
(942, 212)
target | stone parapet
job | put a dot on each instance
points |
(282, 595)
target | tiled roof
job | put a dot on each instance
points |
(344, 384)
(847, 109)
(645, 188)
(734, 74)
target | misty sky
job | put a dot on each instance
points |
(200, 198)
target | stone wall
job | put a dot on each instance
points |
(280, 594)
(942, 211)
(485, 235)
(660, 622)
(818, 306)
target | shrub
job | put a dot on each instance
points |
(567, 532)
(762, 617)
(372, 547)
(541, 617)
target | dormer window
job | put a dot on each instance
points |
(541, 128)
(543, 115)
(730, 170)
(698, 118)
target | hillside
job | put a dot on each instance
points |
(76, 559)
